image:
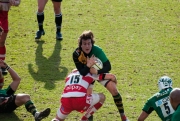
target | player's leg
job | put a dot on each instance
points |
(40, 18)
(24, 99)
(58, 18)
(110, 83)
(60, 115)
(4, 25)
(64, 110)
(111, 87)
(96, 102)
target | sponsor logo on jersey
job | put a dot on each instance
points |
(73, 87)
(162, 101)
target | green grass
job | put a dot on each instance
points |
(140, 38)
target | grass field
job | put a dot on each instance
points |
(140, 38)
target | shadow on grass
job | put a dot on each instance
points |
(49, 69)
(9, 117)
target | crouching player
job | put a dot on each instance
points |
(78, 96)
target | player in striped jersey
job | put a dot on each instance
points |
(4, 9)
(77, 95)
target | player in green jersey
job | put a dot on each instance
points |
(84, 58)
(175, 102)
(9, 101)
(160, 101)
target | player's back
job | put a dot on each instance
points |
(76, 85)
(161, 104)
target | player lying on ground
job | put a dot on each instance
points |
(78, 96)
(9, 101)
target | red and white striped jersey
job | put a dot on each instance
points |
(76, 85)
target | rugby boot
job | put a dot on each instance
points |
(40, 115)
(39, 33)
(59, 36)
(124, 118)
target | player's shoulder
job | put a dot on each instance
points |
(153, 97)
(97, 47)
(76, 52)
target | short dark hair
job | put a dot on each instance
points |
(86, 35)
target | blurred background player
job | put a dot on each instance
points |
(77, 95)
(175, 102)
(84, 58)
(9, 101)
(2, 78)
(40, 18)
(4, 9)
(160, 101)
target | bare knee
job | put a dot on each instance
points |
(22, 99)
(102, 97)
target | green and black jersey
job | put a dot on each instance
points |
(176, 115)
(160, 102)
(6, 92)
(80, 60)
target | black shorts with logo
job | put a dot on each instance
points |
(9, 106)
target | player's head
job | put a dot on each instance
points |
(175, 97)
(86, 41)
(164, 82)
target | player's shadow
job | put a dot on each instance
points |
(48, 69)
(9, 117)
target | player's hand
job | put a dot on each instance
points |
(111, 77)
(93, 71)
(14, 2)
(3, 64)
(91, 61)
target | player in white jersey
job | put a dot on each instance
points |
(4, 9)
(77, 95)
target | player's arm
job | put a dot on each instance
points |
(15, 77)
(143, 116)
(111, 77)
(106, 67)
(14, 2)
(90, 88)
(147, 109)
(82, 68)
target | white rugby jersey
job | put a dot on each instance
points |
(76, 84)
